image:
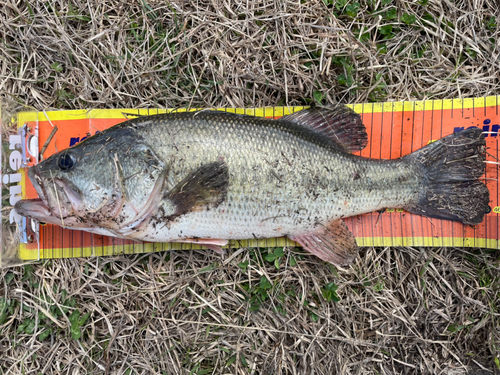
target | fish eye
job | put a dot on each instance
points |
(66, 162)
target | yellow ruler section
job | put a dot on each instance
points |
(428, 105)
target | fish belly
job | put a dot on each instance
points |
(290, 208)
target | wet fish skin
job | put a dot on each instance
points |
(282, 177)
(213, 176)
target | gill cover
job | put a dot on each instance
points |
(139, 177)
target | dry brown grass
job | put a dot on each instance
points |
(402, 310)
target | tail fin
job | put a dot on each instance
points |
(451, 167)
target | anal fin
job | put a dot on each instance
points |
(334, 243)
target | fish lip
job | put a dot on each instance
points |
(55, 202)
(34, 208)
(38, 207)
(37, 183)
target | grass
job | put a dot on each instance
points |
(257, 311)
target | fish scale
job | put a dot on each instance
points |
(282, 179)
(208, 176)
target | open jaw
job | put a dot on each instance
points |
(38, 210)
(57, 202)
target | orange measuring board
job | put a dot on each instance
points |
(394, 129)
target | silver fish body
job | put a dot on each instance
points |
(282, 179)
(208, 176)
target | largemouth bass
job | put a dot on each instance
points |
(209, 176)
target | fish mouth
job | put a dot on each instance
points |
(35, 209)
(37, 183)
(38, 210)
(58, 199)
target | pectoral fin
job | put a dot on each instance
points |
(203, 189)
(334, 243)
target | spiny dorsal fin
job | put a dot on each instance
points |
(334, 243)
(341, 124)
(202, 189)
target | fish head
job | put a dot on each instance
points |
(101, 182)
(71, 183)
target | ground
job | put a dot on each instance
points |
(258, 311)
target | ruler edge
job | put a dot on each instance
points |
(26, 254)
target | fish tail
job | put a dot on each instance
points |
(451, 168)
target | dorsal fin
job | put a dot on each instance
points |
(340, 124)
